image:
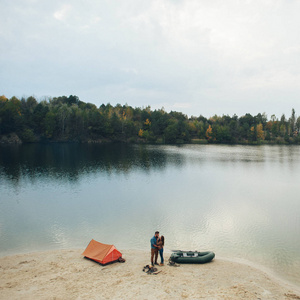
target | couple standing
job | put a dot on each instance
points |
(157, 245)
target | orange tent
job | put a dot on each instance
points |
(101, 253)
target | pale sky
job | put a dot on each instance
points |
(195, 56)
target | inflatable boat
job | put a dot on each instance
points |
(192, 257)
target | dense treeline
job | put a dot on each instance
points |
(69, 119)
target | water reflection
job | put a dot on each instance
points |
(73, 161)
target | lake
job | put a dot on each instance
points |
(242, 202)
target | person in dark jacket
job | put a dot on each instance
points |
(154, 248)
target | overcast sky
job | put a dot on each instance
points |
(195, 56)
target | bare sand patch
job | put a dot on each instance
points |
(65, 274)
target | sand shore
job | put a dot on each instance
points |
(65, 274)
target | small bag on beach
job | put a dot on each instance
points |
(121, 259)
(150, 270)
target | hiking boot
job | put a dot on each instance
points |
(161, 265)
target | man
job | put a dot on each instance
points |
(154, 248)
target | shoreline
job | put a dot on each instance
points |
(64, 274)
(273, 276)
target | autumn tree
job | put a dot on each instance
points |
(253, 134)
(259, 132)
(208, 133)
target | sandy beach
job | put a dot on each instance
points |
(65, 274)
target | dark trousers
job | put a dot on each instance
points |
(161, 253)
(154, 254)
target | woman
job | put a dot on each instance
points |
(160, 245)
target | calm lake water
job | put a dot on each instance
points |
(241, 202)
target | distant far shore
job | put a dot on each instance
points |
(64, 274)
(14, 139)
(66, 119)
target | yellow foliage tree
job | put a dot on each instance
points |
(3, 99)
(209, 133)
(129, 113)
(259, 132)
(141, 132)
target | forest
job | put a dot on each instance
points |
(68, 119)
